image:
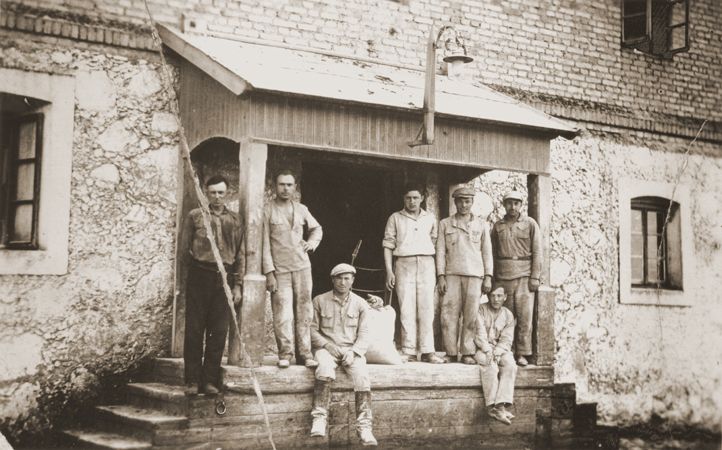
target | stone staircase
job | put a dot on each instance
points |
(157, 414)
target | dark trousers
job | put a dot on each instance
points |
(206, 314)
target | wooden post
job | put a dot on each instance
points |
(251, 185)
(540, 202)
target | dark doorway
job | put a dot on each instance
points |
(352, 203)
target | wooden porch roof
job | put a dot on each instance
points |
(377, 106)
(241, 66)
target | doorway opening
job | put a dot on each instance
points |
(352, 202)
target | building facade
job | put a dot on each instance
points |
(91, 199)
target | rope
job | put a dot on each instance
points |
(167, 77)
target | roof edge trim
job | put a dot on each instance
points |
(229, 79)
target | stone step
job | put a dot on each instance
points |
(95, 439)
(167, 370)
(133, 417)
(159, 396)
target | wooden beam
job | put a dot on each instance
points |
(540, 209)
(251, 185)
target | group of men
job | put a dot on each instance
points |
(459, 257)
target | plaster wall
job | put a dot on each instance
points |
(60, 335)
(636, 361)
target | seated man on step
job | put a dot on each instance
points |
(339, 336)
(494, 337)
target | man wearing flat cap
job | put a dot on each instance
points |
(464, 268)
(340, 336)
(517, 247)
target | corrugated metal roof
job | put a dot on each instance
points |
(241, 65)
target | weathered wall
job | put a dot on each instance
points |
(634, 360)
(60, 334)
(564, 48)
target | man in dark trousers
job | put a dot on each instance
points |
(517, 248)
(207, 309)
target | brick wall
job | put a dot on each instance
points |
(551, 52)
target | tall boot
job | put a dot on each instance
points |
(364, 418)
(321, 402)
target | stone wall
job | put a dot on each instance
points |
(60, 335)
(636, 361)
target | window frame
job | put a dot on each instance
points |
(57, 95)
(683, 295)
(14, 162)
(659, 206)
(646, 43)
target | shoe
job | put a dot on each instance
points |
(283, 363)
(209, 389)
(448, 359)
(407, 358)
(468, 359)
(432, 358)
(310, 363)
(367, 437)
(499, 415)
(521, 361)
(318, 428)
(506, 412)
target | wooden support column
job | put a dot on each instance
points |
(540, 209)
(251, 185)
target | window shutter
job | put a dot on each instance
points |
(678, 28)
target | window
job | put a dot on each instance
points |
(655, 255)
(656, 27)
(21, 143)
(36, 153)
(655, 260)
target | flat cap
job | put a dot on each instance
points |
(342, 268)
(463, 192)
(514, 195)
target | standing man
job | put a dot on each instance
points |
(340, 336)
(288, 270)
(408, 243)
(464, 268)
(516, 242)
(207, 309)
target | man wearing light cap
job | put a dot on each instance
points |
(340, 336)
(517, 247)
(464, 268)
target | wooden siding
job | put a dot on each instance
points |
(209, 110)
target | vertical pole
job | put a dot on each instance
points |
(252, 180)
(540, 209)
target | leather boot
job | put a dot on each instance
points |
(321, 402)
(364, 418)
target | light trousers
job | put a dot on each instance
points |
(358, 371)
(415, 285)
(293, 294)
(497, 380)
(463, 294)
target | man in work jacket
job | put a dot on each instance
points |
(288, 270)
(340, 336)
(516, 243)
(464, 268)
(409, 240)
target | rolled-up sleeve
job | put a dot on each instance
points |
(390, 233)
(315, 232)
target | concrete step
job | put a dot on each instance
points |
(167, 370)
(95, 439)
